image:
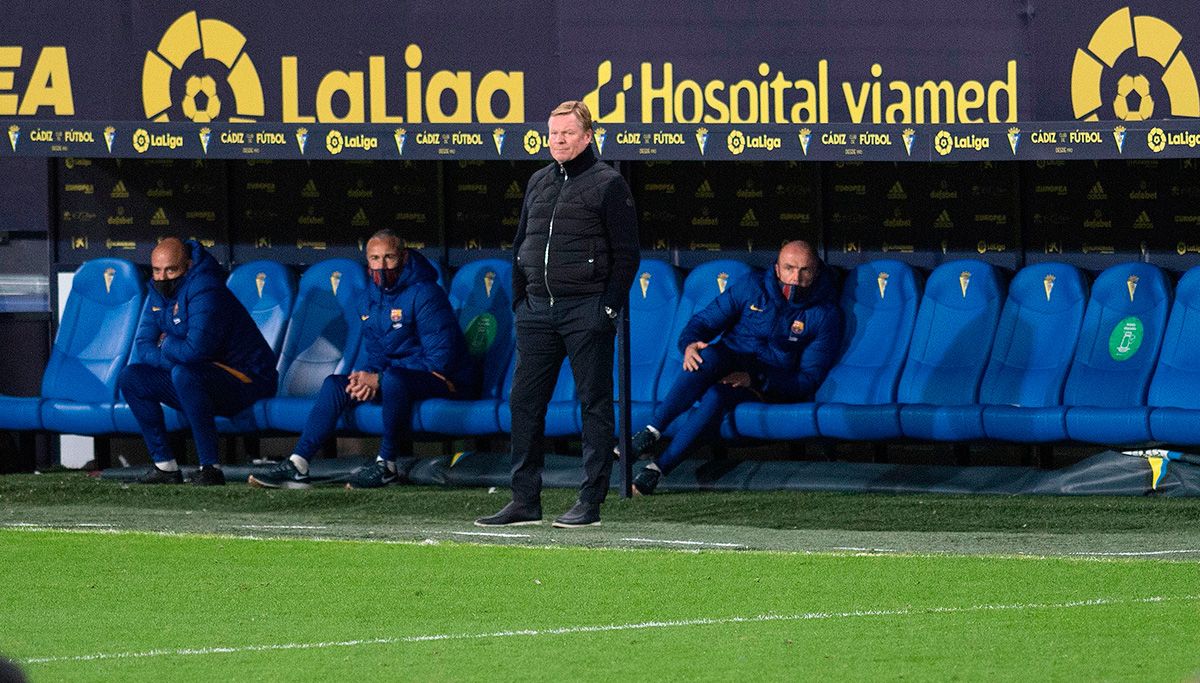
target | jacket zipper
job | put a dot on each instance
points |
(550, 234)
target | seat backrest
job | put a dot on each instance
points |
(879, 300)
(703, 284)
(324, 330)
(653, 298)
(1177, 374)
(1121, 336)
(953, 334)
(481, 295)
(267, 289)
(1036, 337)
(96, 332)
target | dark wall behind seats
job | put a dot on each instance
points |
(1089, 213)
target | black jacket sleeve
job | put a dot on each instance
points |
(518, 275)
(620, 219)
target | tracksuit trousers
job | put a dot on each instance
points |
(201, 391)
(399, 389)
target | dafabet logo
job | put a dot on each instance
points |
(205, 60)
(1133, 69)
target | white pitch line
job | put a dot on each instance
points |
(697, 543)
(488, 534)
(81, 525)
(1137, 553)
(639, 626)
(298, 527)
(865, 550)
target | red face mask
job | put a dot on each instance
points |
(385, 278)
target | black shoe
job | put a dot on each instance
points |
(513, 515)
(282, 476)
(581, 514)
(208, 476)
(642, 442)
(373, 476)
(157, 476)
(646, 481)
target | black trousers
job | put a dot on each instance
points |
(577, 328)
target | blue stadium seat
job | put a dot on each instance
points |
(1118, 350)
(79, 386)
(1175, 418)
(268, 290)
(703, 283)
(480, 294)
(1035, 342)
(945, 362)
(322, 337)
(653, 299)
(879, 300)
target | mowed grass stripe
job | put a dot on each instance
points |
(77, 594)
(605, 628)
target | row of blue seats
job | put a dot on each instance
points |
(966, 355)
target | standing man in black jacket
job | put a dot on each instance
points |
(574, 257)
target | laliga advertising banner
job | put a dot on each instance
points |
(763, 80)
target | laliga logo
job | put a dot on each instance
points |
(1135, 96)
(204, 97)
(736, 142)
(943, 143)
(533, 142)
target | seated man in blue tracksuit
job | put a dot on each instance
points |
(415, 350)
(779, 337)
(197, 350)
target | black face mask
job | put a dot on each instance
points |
(168, 288)
(385, 278)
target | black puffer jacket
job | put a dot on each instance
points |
(578, 234)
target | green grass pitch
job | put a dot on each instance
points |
(110, 582)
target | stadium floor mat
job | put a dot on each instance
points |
(1105, 473)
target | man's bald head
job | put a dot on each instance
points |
(797, 264)
(169, 259)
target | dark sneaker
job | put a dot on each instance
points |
(646, 481)
(282, 476)
(580, 515)
(373, 476)
(643, 441)
(157, 476)
(513, 515)
(208, 476)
